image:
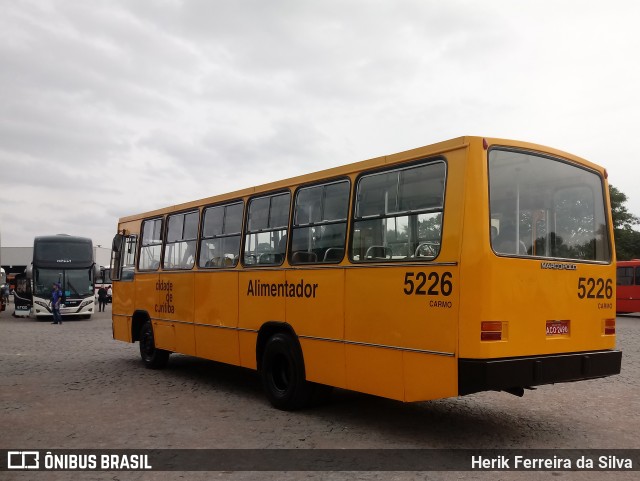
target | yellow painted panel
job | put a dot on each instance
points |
(247, 347)
(315, 302)
(375, 371)
(217, 344)
(324, 362)
(185, 342)
(164, 335)
(124, 298)
(429, 377)
(121, 328)
(261, 297)
(146, 294)
(175, 299)
(520, 292)
(531, 297)
(414, 307)
(217, 299)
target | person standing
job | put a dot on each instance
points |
(5, 293)
(56, 299)
(102, 299)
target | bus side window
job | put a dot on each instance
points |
(266, 232)
(182, 235)
(123, 257)
(398, 214)
(151, 245)
(320, 223)
(624, 276)
(220, 238)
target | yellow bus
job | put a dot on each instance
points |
(469, 265)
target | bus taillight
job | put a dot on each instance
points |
(609, 327)
(491, 331)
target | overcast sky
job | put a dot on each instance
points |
(115, 107)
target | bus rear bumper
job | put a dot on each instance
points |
(507, 374)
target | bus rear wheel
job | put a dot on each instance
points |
(152, 357)
(283, 375)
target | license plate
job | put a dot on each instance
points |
(557, 328)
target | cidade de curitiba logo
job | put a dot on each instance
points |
(88, 460)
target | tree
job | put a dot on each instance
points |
(626, 238)
(622, 218)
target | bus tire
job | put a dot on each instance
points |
(152, 357)
(283, 375)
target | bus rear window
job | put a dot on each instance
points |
(544, 207)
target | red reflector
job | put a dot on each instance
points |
(485, 144)
(609, 327)
(490, 336)
(491, 331)
(491, 326)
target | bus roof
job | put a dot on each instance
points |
(343, 170)
(61, 238)
(631, 262)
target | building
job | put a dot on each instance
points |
(15, 260)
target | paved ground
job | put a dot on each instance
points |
(73, 387)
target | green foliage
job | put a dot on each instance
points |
(626, 238)
(622, 218)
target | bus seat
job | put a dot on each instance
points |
(378, 252)
(304, 257)
(427, 249)
(333, 254)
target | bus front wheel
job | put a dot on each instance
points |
(282, 373)
(152, 357)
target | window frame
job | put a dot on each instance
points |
(354, 219)
(224, 235)
(166, 243)
(247, 232)
(560, 160)
(293, 226)
(119, 257)
(142, 245)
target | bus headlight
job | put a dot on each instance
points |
(86, 303)
(43, 304)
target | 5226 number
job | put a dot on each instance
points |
(591, 288)
(431, 284)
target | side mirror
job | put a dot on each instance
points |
(29, 271)
(117, 243)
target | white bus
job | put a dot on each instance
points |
(68, 261)
(103, 280)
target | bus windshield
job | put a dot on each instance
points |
(76, 283)
(544, 207)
